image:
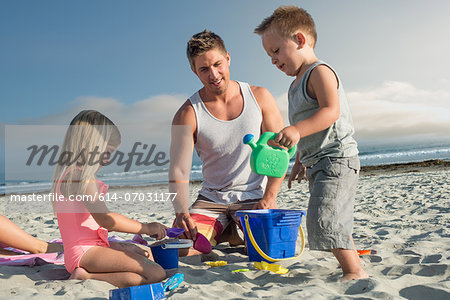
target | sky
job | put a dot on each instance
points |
(127, 59)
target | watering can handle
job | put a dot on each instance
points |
(264, 255)
(267, 136)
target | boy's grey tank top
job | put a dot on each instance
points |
(226, 170)
(335, 141)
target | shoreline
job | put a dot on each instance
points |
(422, 166)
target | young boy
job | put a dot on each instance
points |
(322, 127)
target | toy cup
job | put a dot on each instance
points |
(165, 252)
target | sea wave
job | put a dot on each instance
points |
(368, 157)
(404, 156)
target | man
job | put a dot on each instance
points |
(214, 120)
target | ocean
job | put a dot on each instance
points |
(370, 155)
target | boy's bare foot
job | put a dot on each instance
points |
(354, 276)
(79, 274)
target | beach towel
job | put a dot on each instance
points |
(25, 259)
(32, 260)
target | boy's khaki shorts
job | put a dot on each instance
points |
(332, 185)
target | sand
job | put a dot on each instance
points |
(402, 213)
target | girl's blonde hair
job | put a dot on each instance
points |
(89, 133)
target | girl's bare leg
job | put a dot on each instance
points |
(120, 268)
(127, 246)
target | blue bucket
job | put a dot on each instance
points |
(273, 231)
(166, 253)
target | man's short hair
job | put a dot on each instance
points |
(287, 21)
(203, 42)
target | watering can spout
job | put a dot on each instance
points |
(248, 139)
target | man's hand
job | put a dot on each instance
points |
(185, 221)
(298, 172)
(266, 204)
(288, 137)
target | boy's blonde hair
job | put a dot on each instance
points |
(89, 132)
(203, 42)
(287, 21)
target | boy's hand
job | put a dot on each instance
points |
(298, 171)
(288, 137)
(155, 230)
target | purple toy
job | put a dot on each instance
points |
(174, 232)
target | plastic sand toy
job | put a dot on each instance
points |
(165, 252)
(366, 252)
(173, 282)
(202, 244)
(270, 267)
(155, 291)
(268, 160)
(240, 270)
(219, 263)
(174, 232)
(274, 234)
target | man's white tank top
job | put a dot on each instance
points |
(226, 170)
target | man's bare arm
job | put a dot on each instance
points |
(181, 149)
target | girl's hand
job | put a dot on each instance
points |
(288, 137)
(298, 172)
(155, 230)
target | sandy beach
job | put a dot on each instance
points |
(402, 213)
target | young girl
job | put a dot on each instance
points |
(84, 220)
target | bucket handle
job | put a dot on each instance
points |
(265, 256)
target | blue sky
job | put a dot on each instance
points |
(127, 59)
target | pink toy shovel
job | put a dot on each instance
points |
(202, 244)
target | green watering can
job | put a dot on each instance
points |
(268, 160)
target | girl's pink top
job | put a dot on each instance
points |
(76, 224)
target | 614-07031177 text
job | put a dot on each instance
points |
(138, 197)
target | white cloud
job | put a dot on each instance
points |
(157, 110)
(399, 109)
(395, 109)
(444, 81)
(148, 120)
